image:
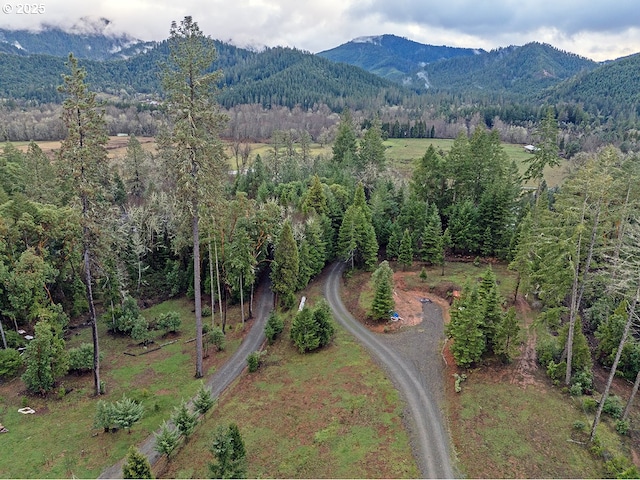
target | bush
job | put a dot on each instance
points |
(215, 336)
(140, 330)
(613, 406)
(253, 361)
(136, 465)
(274, 326)
(312, 328)
(14, 339)
(104, 415)
(170, 322)
(622, 427)
(589, 405)
(81, 358)
(10, 363)
(581, 382)
(126, 412)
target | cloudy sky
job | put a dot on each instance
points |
(597, 29)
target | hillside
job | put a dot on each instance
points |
(90, 39)
(391, 57)
(605, 90)
(523, 70)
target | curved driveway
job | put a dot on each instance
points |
(431, 446)
(223, 377)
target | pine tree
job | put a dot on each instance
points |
(506, 337)
(285, 265)
(405, 253)
(431, 240)
(192, 148)
(83, 164)
(166, 440)
(229, 452)
(136, 465)
(345, 147)
(383, 302)
(465, 328)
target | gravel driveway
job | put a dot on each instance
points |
(223, 377)
(412, 360)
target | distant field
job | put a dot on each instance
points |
(402, 153)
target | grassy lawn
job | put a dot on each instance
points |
(59, 440)
(329, 414)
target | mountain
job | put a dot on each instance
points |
(274, 76)
(391, 57)
(88, 39)
(526, 70)
(611, 88)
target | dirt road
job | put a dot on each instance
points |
(222, 378)
(430, 438)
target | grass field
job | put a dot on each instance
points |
(59, 440)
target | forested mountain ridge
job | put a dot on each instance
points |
(275, 76)
(391, 57)
(604, 90)
(87, 39)
(522, 70)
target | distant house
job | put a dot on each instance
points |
(531, 148)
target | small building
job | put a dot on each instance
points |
(531, 148)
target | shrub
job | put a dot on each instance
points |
(136, 465)
(556, 371)
(253, 361)
(104, 415)
(274, 326)
(14, 339)
(10, 363)
(126, 412)
(613, 406)
(170, 321)
(622, 427)
(581, 382)
(81, 358)
(215, 336)
(140, 330)
(589, 405)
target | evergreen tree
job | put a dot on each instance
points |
(405, 253)
(204, 400)
(431, 240)
(393, 247)
(490, 306)
(465, 329)
(315, 198)
(192, 148)
(136, 465)
(184, 420)
(383, 301)
(166, 440)
(345, 147)
(505, 339)
(229, 452)
(357, 238)
(304, 332)
(45, 358)
(285, 265)
(83, 163)
(546, 153)
(429, 179)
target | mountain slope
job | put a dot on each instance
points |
(89, 39)
(391, 57)
(606, 90)
(527, 70)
